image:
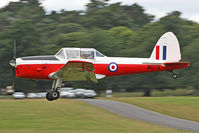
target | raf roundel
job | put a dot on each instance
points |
(113, 67)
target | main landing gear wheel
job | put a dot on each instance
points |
(52, 95)
(48, 96)
(55, 94)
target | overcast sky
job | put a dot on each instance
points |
(159, 8)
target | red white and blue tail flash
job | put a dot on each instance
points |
(161, 52)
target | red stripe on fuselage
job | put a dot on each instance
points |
(41, 71)
(37, 71)
(125, 69)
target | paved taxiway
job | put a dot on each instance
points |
(138, 113)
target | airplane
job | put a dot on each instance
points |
(81, 64)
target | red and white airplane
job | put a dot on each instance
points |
(77, 64)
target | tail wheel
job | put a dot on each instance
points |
(174, 76)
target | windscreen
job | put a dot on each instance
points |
(98, 54)
(60, 54)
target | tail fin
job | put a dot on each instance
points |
(167, 48)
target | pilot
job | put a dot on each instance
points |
(87, 55)
(90, 55)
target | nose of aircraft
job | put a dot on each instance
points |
(13, 63)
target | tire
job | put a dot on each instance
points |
(55, 95)
(48, 96)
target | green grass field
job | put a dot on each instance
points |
(157, 93)
(181, 107)
(67, 116)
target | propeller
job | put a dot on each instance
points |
(13, 64)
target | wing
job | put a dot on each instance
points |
(76, 71)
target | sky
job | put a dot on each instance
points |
(159, 8)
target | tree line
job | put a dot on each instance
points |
(113, 29)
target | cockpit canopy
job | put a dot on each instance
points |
(78, 53)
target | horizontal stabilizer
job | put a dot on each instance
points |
(176, 65)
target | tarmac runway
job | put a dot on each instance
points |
(141, 114)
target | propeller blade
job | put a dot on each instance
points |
(13, 76)
(14, 68)
(14, 56)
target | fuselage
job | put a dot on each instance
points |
(40, 67)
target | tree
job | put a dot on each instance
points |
(107, 16)
(96, 4)
(123, 36)
(69, 27)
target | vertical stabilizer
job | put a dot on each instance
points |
(167, 48)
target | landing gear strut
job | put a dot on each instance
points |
(54, 93)
(174, 76)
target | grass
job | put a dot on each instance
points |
(67, 116)
(181, 107)
(157, 93)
